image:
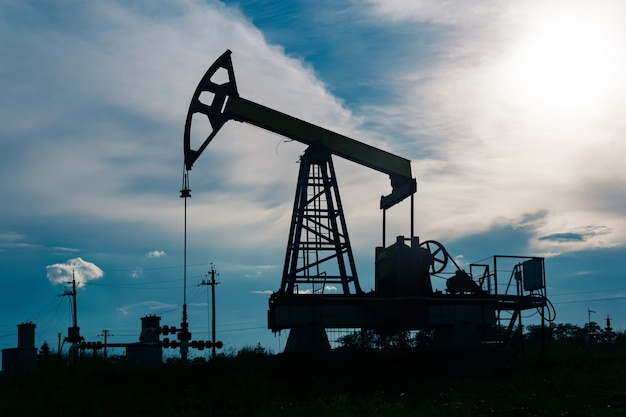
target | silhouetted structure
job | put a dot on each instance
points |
(147, 352)
(472, 312)
(23, 358)
(73, 332)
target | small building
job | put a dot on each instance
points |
(148, 351)
(23, 358)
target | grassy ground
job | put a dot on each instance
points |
(565, 381)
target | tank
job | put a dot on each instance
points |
(402, 270)
(26, 336)
(148, 351)
(150, 329)
(73, 334)
(532, 272)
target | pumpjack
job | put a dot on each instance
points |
(471, 312)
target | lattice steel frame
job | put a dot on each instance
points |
(318, 252)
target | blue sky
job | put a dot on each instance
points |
(509, 111)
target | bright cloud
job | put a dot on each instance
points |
(140, 307)
(520, 114)
(264, 292)
(258, 271)
(15, 240)
(156, 254)
(133, 102)
(327, 289)
(77, 268)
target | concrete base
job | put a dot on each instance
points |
(307, 339)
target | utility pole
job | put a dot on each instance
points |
(74, 297)
(212, 283)
(589, 319)
(589, 311)
(105, 334)
(72, 294)
(73, 333)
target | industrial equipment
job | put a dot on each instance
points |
(319, 252)
(149, 350)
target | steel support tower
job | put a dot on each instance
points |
(318, 250)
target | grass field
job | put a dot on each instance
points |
(565, 380)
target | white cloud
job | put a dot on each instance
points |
(498, 133)
(453, 13)
(142, 306)
(327, 289)
(129, 81)
(77, 268)
(15, 240)
(11, 237)
(64, 249)
(461, 262)
(156, 254)
(258, 271)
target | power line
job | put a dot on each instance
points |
(588, 292)
(105, 333)
(156, 268)
(592, 300)
(243, 329)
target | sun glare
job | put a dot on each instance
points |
(565, 62)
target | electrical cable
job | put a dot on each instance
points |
(155, 268)
(241, 330)
(42, 310)
(592, 300)
(53, 320)
(551, 308)
(589, 292)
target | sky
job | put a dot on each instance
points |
(510, 112)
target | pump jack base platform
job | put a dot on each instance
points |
(461, 320)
